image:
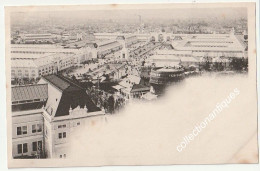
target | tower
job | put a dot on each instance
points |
(124, 53)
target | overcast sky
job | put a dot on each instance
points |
(147, 14)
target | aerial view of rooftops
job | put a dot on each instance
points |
(129, 78)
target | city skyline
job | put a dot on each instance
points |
(147, 15)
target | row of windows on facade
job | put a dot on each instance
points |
(170, 75)
(207, 41)
(19, 71)
(33, 52)
(106, 51)
(23, 148)
(182, 55)
(67, 63)
(64, 125)
(63, 156)
(22, 130)
(27, 101)
(33, 71)
(20, 74)
(51, 69)
(61, 135)
(207, 46)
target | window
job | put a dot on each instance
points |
(19, 130)
(62, 135)
(34, 146)
(33, 128)
(39, 128)
(37, 146)
(62, 126)
(36, 128)
(24, 129)
(25, 148)
(22, 148)
(19, 148)
(78, 123)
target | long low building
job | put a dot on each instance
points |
(104, 47)
(127, 40)
(24, 68)
(194, 48)
(212, 45)
(101, 36)
(173, 60)
(174, 52)
(37, 38)
(32, 61)
(34, 67)
(41, 49)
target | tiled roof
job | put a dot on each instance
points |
(31, 92)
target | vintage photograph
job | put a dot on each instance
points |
(150, 84)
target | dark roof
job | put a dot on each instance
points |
(29, 92)
(73, 95)
(57, 81)
(139, 87)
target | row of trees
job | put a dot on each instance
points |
(106, 101)
(236, 64)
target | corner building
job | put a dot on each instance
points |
(45, 115)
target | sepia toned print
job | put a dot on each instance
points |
(98, 85)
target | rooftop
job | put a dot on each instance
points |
(210, 42)
(73, 96)
(23, 63)
(29, 92)
(57, 81)
(173, 52)
(139, 87)
(25, 56)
